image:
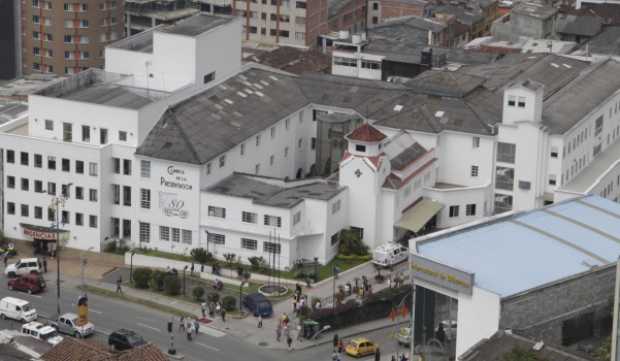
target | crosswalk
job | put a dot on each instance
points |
(209, 331)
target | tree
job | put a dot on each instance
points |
(229, 303)
(201, 256)
(198, 292)
(258, 263)
(156, 282)
(519, 354)
(230, 259)
(141, 277)
(351, 243)
(172, 285)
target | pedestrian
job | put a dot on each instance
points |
(286, 332)
(196, 326)
(188, 331)
(393, 358)
(203, 309)
(260, 321)
(6, 258)
(340, 346)
(278, 332)
(223, 315)
(211, 309)
(289, 342)
(377, 354)
(390, 282)
(44, 264)
(191, 270)
(295, 304)
(181, 324)
(218, 307)
(119, 281)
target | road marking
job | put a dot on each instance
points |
(211, 331)
(209, 347)
(104, 331)
(149, 327)
(37, 296)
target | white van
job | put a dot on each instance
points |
(389, 254)
(42, 332)
(11, 307)
(23, 267)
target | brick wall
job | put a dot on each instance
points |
(540, 313)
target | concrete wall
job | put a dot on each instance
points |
(477, 318)
(539, 313)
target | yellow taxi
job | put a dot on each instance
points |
(360, 346)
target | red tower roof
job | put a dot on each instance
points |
(366, 133)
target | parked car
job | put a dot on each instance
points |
(23, 267)
(17, 309)
(360, 346)
(258, 304)
(30, 283)
(389, 254)
(68, 323)
(404, 336)
(125, 339)
(42, 332)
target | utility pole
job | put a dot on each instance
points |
(58, 202)
(412, 319)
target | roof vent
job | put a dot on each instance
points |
(439, 113)
(538, 346)
(398, 108)
(264, 83)
(259, 93)
(258, 86)
(241, 94)
(555, 65)
(229, 101)
(566, 66)
(272, 77)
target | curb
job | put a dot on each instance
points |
(356, 333)
(329, 279)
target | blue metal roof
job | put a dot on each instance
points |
(526, 250)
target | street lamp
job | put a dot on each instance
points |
(131, 266)
(83, 262)
(240, 296)
(184, 269)
(335, 271)
(57, 204)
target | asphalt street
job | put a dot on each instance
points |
(110, 314)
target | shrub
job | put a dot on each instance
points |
(172, 285)
(351, 243)
(213, 297)
(110, 247)
(156, 282)
(304, 312)
(141, 277)
(258, 263)
(198, 292)
(229, 303)
(201, 256)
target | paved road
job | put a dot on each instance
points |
(109, 314)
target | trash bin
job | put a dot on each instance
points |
(310, 328)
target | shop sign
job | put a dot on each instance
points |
(441, 275)
(175, 178)
(35, 234)
(172, 206)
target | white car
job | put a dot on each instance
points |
(42, 332)
(389, 254)
(23, 267)
(17, 309)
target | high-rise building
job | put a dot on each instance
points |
(65, 38)
(9, 39)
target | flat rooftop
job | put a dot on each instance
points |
(591, 174)
(197, 24)
(521, 251)
(99, 87)
(141, 42)
(12, 110)
(273, 192)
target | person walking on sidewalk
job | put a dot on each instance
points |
(279, 332)
(203, 309)
(223, 315)
(181, 324)
(289, 342)
(188, 330)
(260, 321)
(44, 264)
(119, 282)
(196, 326)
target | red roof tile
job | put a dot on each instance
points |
(366, 133)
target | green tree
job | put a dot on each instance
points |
(201, 256)
(351, 243)
(229, 303)
(172, 285)
(198, 292)
(230, 259)
(257, 263)
(156, 282)
(141, 277)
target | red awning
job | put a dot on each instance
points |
(41, 232)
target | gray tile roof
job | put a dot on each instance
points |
(586, 25)
(445, 83)
(197, 24)
(261, 192)
(607, 42)
(404, 158)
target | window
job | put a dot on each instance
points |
(79, 192)
(512, 100)
(25, 184)
(271, 159)
(247, 243)
(474, 170)
(273, 221)
(122, 136)
(208, 169)
(83, 23)
(164, 233)
(145, 198)
(64, 190)
(51, 162)
(116, 165)
(273, 132)
(10, 156)
(51, 215)
(35, 19)
(287, 121)
(51, 188)
(208, 77)
(248, 217)
(23, 158)
(257, 169)
(127, 166)
(176, 235)
(25, 210)
(313, 143)
(79, 167)
(38, 186)
(65, 165)
(145, 169)
(470, 209)
(145, 232)
(521, 102)
(67, 132)
(374, 65)
(127, 196)
(270, 247)
(300, 142)
(216, 238)
(218, 212)
(285, 152)
(85, 133)
(38, 212)
(10, 181)
(242, 149)
(10, 207)
(454, 211)
(116, 194)
(598, 125)
(64, 217)
(297, 218)
(258, 140)
(552, 180)
(506, 152)
(127, 228)
(79, 219)
(103, 136)
(222, 161)
(336, 206)
(475, 142)
(68, 39)
(38, 161)
(115, 226)
(92, 195)
(554, 152)
(92, 169)
(338, 60)
(360, 148)
(186, 236)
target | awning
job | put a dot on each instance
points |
(42, 232)
(417, 216)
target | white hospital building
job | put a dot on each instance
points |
(176, 146)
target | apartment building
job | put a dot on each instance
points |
(66, 38)
(143, 15)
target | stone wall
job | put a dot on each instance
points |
(541, 312)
